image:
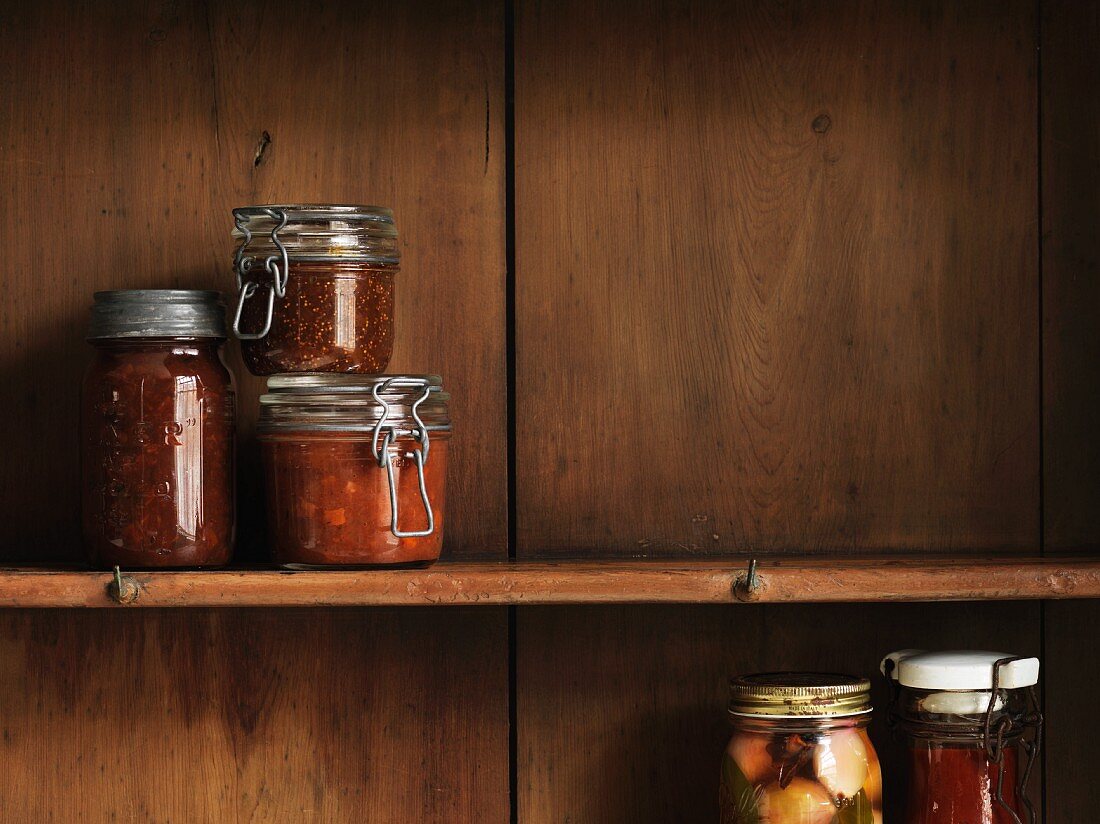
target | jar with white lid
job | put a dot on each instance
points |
(800, 753)
(971, 727)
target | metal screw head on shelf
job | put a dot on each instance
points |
(123, 589)
(747, 587)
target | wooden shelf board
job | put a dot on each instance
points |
(626, 581)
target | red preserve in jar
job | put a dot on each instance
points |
(157, 432)
(971, 726)
(315, 288)
(355, 468)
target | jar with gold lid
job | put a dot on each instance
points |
(800, 753)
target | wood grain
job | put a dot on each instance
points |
(721, 581)
(129, 130)
(622, 710)
(224, 716)
(776, 291)
(776, 276)
(1071, 388)
(124, 147)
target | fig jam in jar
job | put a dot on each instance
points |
(355, 468)
(315, 288)
(157, 432)
(800, 753)
(971, 723)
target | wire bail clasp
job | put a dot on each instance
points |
(420, 455)
(277, 266)
(993, 736)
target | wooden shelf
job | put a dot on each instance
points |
(711, 581)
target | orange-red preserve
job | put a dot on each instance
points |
(157, 432)
(971, 723)
(355, 468)
(315, 287)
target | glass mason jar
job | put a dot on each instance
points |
(315, 288)
(355, 468)
(971, 728)
(800, 753)
(157, 432)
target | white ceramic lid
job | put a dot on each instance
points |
(958, 670)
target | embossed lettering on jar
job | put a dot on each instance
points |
(355, 468)
(315, 287)
(157, 432)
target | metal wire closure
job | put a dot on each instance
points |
(995, 732)
(994, 739)
(277, 266)
(382, 454)
(893, 716)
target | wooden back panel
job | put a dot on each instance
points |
(129, 132)
(132, 131)
(776, 277)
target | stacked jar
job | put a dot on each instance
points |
(354, 459)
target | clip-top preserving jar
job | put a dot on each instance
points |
(971, 725)
(157, 431)
(800, 753)
(355, 468)
(315, 287)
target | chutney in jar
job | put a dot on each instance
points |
(316, 288)
(158, 432)
(334, 318)
(355, 469)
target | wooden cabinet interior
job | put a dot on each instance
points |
(804, 277)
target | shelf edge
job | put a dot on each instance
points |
(492, 583)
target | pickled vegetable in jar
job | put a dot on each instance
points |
(315, 288)
(355, 468)
(800, 753)
(158, 432)
(971, 724)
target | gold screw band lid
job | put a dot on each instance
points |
(799, 695)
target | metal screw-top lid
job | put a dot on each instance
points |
(157, 313)
(799, 695)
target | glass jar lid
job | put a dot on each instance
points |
(316, 232)
(157, 313)
(799, 695)
(320, 402)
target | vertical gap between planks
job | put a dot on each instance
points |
(1042, 382)
(510, 344)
